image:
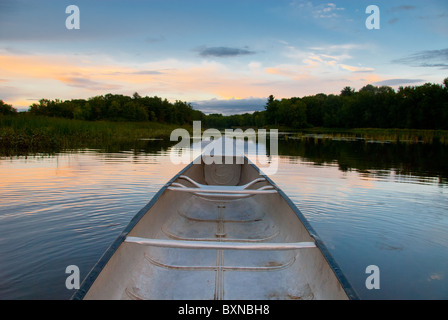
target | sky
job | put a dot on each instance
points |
(224, 56)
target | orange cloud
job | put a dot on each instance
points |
(291, 71)
(68, 77)
(356, 69)
(69, 70)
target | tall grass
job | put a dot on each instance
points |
(25, 134)
(384, 135)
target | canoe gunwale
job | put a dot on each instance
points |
(99, 266)
(349, 290)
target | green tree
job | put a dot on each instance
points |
(98, 107)
(331, 109)
(314, 110)
(259, 119)
(347, 92)
(272, 107)
(114, 110)
(136, 96)
(298, 114)
(6, 109)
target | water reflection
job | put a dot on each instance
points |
(371, 203)
(373, 160)
(420, 162)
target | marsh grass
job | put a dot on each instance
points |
(27, 134)
(378, 135)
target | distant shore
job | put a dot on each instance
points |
(378, 134)
(27, 134)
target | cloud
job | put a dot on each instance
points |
(6, 92)
(356, 69)
(87, 83)
(399, 9)
(397, 82)
(230, 106)
(12, 51)
(321, 11)
(327, 54)
(329, 10)
(14, 95)
(75, 71)
(427, 58)
(293, 72)
(436, 276)
(402, 8)
(338, 52)
(142, 72)
(146, 72)
(317, 61)
(392, 21)
(442, 15)
(155, 39)
(223, 52)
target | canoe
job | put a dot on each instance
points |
(217, 231)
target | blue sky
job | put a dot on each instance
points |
(223, 56)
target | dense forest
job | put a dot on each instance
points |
(412, 107)
(6, 109)
(119, 108)
(416, 107)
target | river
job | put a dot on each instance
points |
(371, 202)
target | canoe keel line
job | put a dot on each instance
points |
(218, 231)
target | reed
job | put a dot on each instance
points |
(382, 134)
(27, 134)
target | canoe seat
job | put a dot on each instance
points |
(218, 245)
(222, 191)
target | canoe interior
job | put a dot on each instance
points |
(136, 271)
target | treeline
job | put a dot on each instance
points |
(412, 107)
(119, 108)
(6, 109)
(416, 107)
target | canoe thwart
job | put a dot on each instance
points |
(224, 190)
(186, 244)
(199, 185)
(217, 190)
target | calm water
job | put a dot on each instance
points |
(371, 203)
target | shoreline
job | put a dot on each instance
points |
(27, 134)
